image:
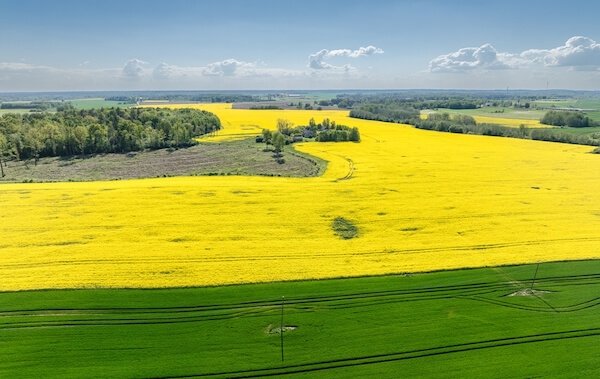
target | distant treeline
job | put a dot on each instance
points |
(265, 107)
(571, 119)
(106, 130)
(388, 112)
(36, 105)
(123, 99)
(443, 122)
(203, 98)
(359, 101)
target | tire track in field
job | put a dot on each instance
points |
(12, 319)
(569, 308)
(288, 257)
(320, 366)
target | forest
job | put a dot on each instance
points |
(70, 132)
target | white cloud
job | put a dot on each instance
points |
(468, 58)
(578, 53)
(227, 67)
(22, 67)
(317, 60)
(134, 68)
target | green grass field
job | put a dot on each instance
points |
(446, 324)
(590, 105)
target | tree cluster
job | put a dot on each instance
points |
(388, 112)
(443, 122)
(325, 131)
(571, 119)
(107, 130)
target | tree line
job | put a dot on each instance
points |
(571, 119)
(443, 122)
(107, 130)
(387, 112)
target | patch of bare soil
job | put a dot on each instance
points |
(528, 292)
(277, 330)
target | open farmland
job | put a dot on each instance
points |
(517, 321)
(510, 118)
(420, 201)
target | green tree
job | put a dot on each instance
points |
(97, 138)
(80, 137)
(267, 137)
(284, 126)
(51, 135)
(3, 149)
(278, 142)
(34, 143)
(354, 135)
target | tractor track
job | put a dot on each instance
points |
(70, 317)
(397, 356)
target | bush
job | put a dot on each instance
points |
(344, 228)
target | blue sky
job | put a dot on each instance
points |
(106, 45)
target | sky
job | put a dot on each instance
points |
(263, 44)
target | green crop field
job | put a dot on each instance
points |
(493, 322)
(591, 106)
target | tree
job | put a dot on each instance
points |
(284, 126)
(51, 135)
(354, 135)
(278, 142)
(34, 142)
(267, 137)
(98, 138)
(3, 148)
(80, 136)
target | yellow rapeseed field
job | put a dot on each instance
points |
(504, 121)
(512, 122)
(422, 200)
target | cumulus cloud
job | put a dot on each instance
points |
(578, 53)
(227, 67)
(317, 60)
(468, 58)
(134, 68)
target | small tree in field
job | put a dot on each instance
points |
(267, 137)
(278, 142)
